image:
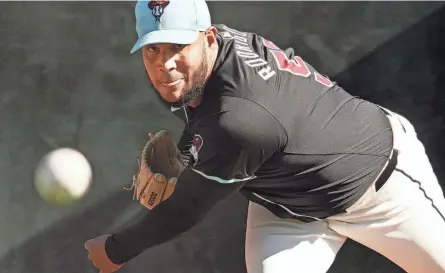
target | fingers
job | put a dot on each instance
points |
(171, 184)
(87, 244)
(94, 263)
(152, 194)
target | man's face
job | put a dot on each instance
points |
(177, 72)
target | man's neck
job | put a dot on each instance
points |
(212, 60)
(195, 103)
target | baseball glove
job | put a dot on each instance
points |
(160, 165)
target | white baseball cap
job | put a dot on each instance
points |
(174, 21)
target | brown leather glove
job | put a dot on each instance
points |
(160, 165)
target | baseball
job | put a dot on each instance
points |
(63, 176)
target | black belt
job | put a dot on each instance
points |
(384, 176)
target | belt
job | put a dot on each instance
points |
(384, 176)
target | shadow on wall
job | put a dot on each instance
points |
(405, 74)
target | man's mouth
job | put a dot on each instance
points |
(171, 84)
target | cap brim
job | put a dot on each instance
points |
(170, 36)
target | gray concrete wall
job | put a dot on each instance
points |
(66, 78)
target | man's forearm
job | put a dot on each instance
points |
(157, 227)
(193, 198)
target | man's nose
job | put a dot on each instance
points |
(167, 63)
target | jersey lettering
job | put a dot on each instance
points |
(256, 62)
(322, 79)
(226, 35)
(242, 47)
(247, 54)
(266, 73)
(241, 40)
(296, 66)
(234, 31)
(244, 50)
(270, 45)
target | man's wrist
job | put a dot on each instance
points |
(112, 251)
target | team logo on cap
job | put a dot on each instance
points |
(157, 8)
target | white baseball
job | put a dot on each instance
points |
(63, 176)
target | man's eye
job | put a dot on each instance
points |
(179, 46)
(151, 48)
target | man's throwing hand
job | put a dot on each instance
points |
(98, 256)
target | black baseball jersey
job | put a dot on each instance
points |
(300, 144)
(271, 126)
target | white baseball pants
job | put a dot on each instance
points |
(403, 221)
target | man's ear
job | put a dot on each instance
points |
(211, 37)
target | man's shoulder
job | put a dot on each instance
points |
(241, 74)
(265, 62)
